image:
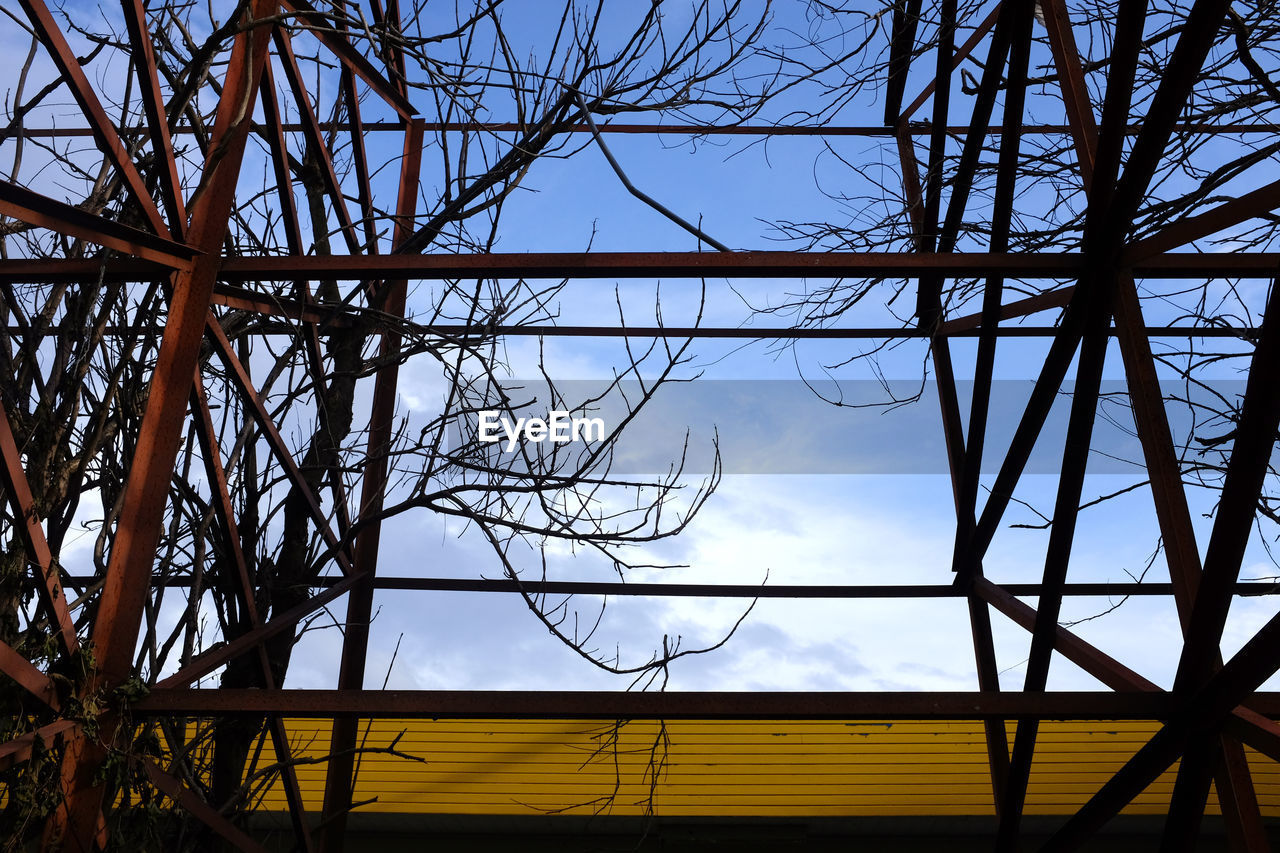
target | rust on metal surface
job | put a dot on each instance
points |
(720, 705)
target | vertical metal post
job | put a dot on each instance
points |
(355, 643)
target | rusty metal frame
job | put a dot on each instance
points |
(1214, 708)
(506, 704)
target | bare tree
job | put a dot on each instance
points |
(249, 532)
(920, 194)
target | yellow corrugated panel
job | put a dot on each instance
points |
(728, 768)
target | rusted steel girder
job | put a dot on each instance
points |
(983, 107)
(902, 41)
(315, 139)
(49, 736)
(962, 53)
(1103, 589)
(225, 513)
(144, 63)
(390, 22)
(763, 130)
(987, 670)
(1106, 223)
(1013, 38)
(274, 135)
(35, 209)
(239, 377)
(1234, 782)
(1043, 394)
(75, 824)
(1103, 236)
(1261, 733)
(692, 705)
(928, 292)
(463, 333)
(1177, 80)
(1206, 704)
(147, 488)
(1096, 305)
(1247, 469)
(201, 810)
(663, 264)
(101, 126)
(1056, 298)
(53, 599)
(1235, 785)
(1015, 25)
(360, 161)
(1251, 205)
(205, 663)
(336, 41)
(1207, 708)
(28, 676)
(985, 664)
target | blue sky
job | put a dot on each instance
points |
(802, 529)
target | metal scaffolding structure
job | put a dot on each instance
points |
(178, 245)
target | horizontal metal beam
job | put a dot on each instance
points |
(609, 265)
(914, 129)
(541, 330)
(272, 305)
(697, 590)
(625, 265)
(693, 705)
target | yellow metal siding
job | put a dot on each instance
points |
(727, 768)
